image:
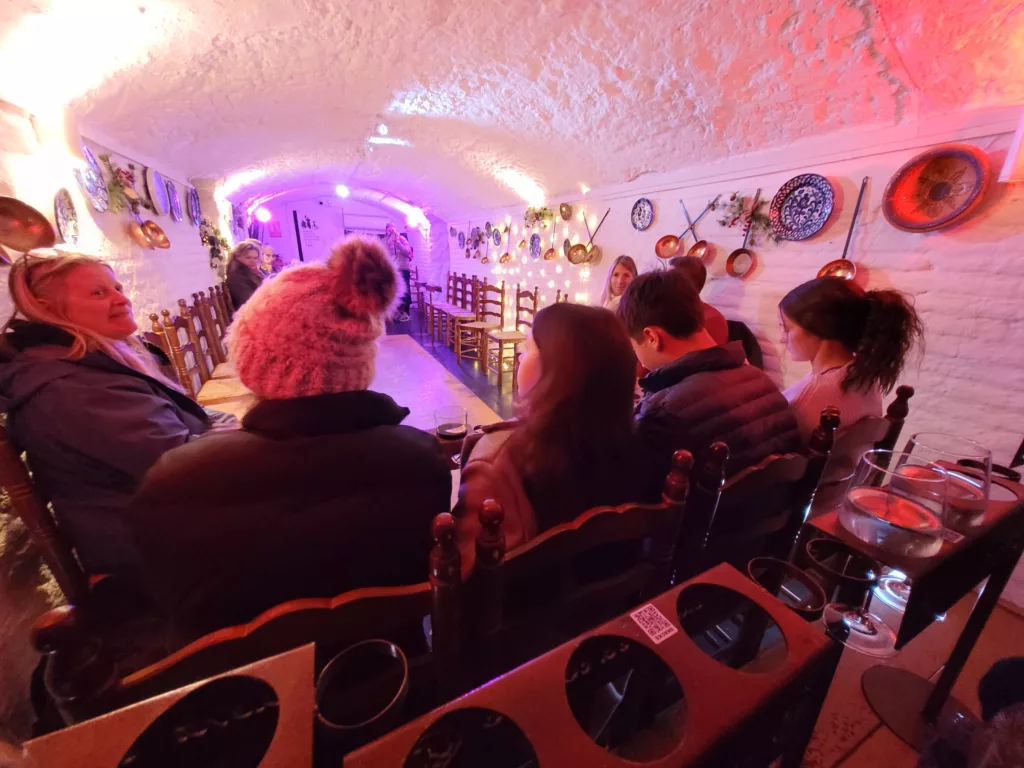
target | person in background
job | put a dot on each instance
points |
(401, 254)
(277, 264)
(86, 400)
(696, 273)
(344, 495)
(622, 273)
(573, 447)
(267, 262)
(857, 343)
(698, 392)
(243, 271)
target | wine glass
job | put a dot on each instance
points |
(452, 423)
(969, 469)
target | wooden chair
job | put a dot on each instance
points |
(333, 624)
(572, 577)
(191, 375)
(216, 321)
(229, 305)
(464, 310)
(471, 339)
(223, 317)
(438, 309)
(416, 290)
(501, 342)
(198, 337)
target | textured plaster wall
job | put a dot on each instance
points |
(34, 167)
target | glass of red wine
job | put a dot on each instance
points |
(452, 423)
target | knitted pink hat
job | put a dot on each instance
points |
(313, 329)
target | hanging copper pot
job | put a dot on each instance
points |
(522, 243)
(138, 235)
(23, 228)
(666, 247)
(565, 211)
(155, 234)
(577, 254)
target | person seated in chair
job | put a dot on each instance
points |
(86, 400)
(698, 392)
(693, 269)
(323, 489)
(574, 446)
(857, 343)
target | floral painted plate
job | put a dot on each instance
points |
(535, 246)
(462, 239)
(90, 158)
(452, 232)
(195, 211)
(801, 207)
(642, 215)
(496, 236)
(175, 201)
(67, 217)
(92, 186)
(566, 245)
(157, 191)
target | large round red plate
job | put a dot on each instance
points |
(937, 188)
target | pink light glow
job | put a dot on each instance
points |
(262, 215)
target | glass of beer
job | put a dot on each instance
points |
(452, 423)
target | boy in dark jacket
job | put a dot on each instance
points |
(698, 392)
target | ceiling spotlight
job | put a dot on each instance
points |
(342, 191)
(382, 129)
(262, 215)
(388, 140)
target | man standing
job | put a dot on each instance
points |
(401, 254)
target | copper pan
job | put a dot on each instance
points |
(551, 253)
(155, 234)
(844, 269)
(666, 247)
(522, 243)
(23, 228)
(577, 254)
(741, 261)
(594, 255)
(138, 234)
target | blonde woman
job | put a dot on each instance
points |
(243, 272)
(85, 399)
(621, 274)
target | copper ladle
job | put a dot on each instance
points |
(506, 257)
(744, 257)
(844, 268)
(668, 246)
(700, 247)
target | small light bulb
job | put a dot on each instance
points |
(342, 191)
(529, 274)
(581, 215)
(565, 232)
(567, 283)
(382, 129)
(551, 283)
(523, 259)
(543, 273)
(558, 269)
(515, 229)
(593, 222)
(584, 188)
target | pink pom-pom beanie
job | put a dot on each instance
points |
(313, 329)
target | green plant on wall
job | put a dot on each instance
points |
(121, 186)
(737, 212)
(538, 217)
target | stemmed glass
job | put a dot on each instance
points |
(896, 502)
(452, 424)
(968, 467)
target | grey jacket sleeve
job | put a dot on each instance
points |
(119, 422)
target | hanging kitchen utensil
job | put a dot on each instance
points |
(462, 239)
(801, 207)
(496, 236)
(844, 268)
(23, 228)
(741, 261)
(195, 210)
(566, 245)
(535, 246)
(174, 200)
(579, 253)
(468, 253)
(452, 232)
(66, 216)
(565, 211)
(522, 243)
(487, 228)
(642, 214)
(506, 257)
(138, 234)
(155, 234)
(700, 248)
(668, 246)
(937, 189)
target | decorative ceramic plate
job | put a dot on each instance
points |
(937, 189)
(642, 214)
(175, 201)
(157, 191)
(462, 240)
(475, 233)
(90, 158)
(22, 227)
(67, 217)
(566, 245)
(496, 236)
(801, 207)
(535, 246)
(487, 228)
(452, 232)
(92, 186)
(195, 211)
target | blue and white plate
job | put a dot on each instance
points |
(175, 201)
(90, 158)
(642, 215)
(801, 207)
(535, 246)
(67, 217)
(496, 236)
(462, 239)
(92, 186)
(157, 191)
(195, 210)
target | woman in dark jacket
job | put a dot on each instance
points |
(323, 489)
(243, 271)
(85, 400)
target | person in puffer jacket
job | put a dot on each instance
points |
(698, 392)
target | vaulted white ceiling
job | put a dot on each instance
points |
(562, 92)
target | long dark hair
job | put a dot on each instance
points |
(878, 327)
(575, 439)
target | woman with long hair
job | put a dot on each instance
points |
(573, 447)
(856, 341)
(85, 399)
(621, 274)
(243, 271)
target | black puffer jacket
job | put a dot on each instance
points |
(714, 395)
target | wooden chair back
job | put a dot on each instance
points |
(333, 624)
(491, 302)
(188, 363)
(526, 306)
(218, 316)
(195, 325)
(25, 502)
(229, 305)
(573, 576)
(449, 288)
(896, 416)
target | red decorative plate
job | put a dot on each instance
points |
(937, 189)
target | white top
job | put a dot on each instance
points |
(612, 302)
(808, 396)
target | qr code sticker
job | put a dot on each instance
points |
(653, 623)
